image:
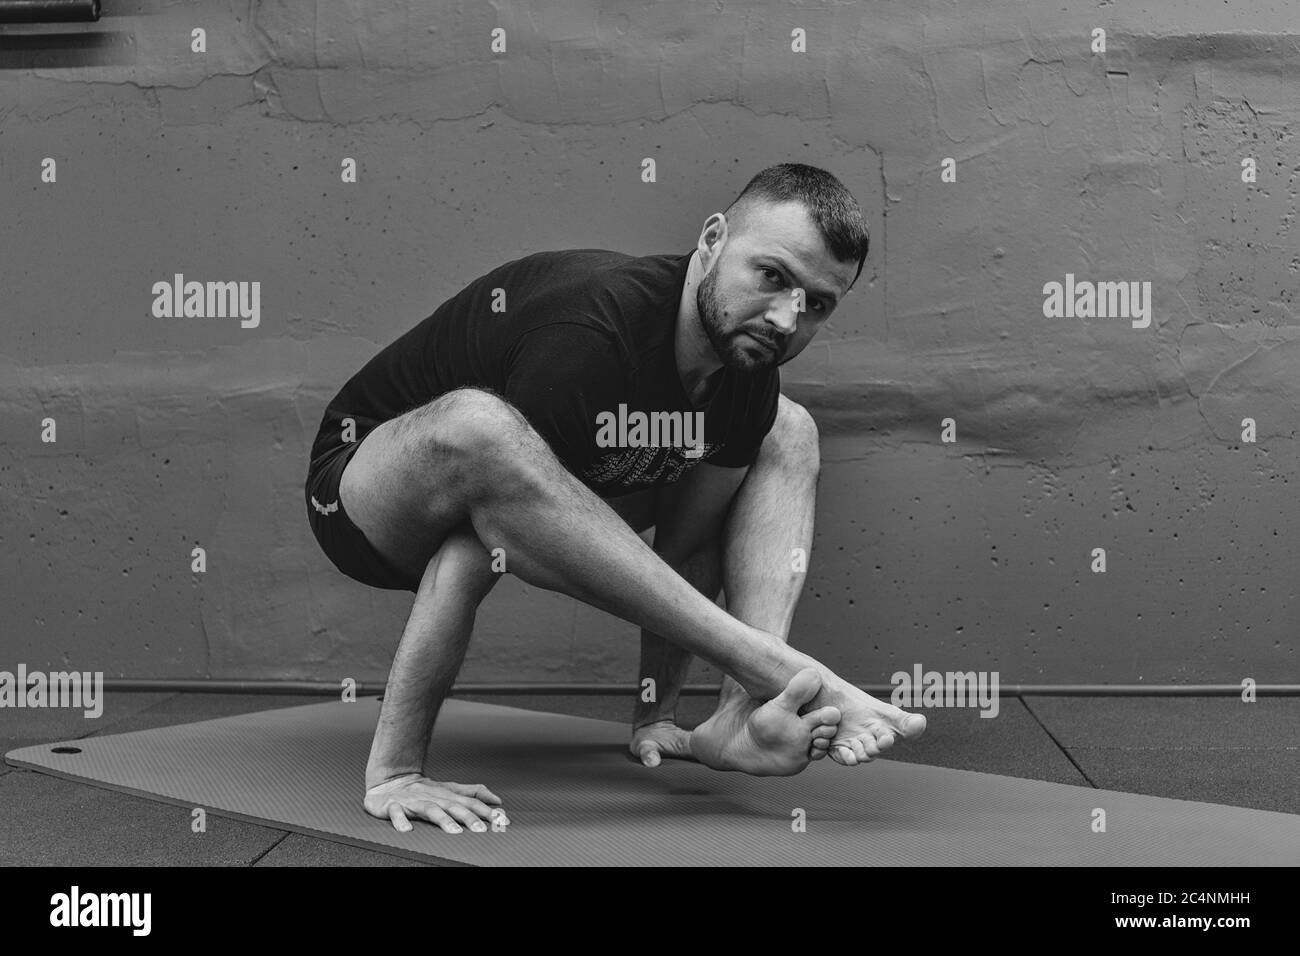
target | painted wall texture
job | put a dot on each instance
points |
(1072, 433)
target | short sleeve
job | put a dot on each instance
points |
(742, 451)
(561, 376)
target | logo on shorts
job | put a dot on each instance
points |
(324, 509)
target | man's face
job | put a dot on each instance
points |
(745, 301)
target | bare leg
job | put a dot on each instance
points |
(557, 534)
(655, 733)
(768, 542)
(767, 538)
(567, 539)
(766, 527)
(470, 456)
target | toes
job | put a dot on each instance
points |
(884, 740)
(819, 749)
(908, 725)
(825, 732)
(823, 715)
(852, 751)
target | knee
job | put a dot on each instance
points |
(793, 441)
(476, 417)
(469, 427)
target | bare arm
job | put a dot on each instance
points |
(664, 662)
(429, 655)
(418, 683)
(688, 536)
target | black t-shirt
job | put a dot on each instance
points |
(583, 331)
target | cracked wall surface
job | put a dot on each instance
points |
(1073, 434)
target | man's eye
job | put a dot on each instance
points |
(817, 304)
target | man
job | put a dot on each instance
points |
(477, 438)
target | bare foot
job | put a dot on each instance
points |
(768, 739)
(869, 726)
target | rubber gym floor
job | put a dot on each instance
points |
(1209, 749)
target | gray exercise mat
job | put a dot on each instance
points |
(576, 799)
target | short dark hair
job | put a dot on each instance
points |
(833, 209)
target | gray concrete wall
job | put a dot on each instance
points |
(1072, 434)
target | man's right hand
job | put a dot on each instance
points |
(442, 804)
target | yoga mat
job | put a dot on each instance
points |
(575, 799)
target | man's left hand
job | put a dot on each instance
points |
(663, 738)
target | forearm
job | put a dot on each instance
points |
(664, 662)
(424, 669)
(666, 665)
(411, 702)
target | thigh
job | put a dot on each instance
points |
(398, 491)
(341, 540)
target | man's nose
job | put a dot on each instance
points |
(783, 315)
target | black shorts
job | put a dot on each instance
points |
(341, 540)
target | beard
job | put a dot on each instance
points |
(731, 347)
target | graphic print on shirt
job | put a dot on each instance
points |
(634, 467)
